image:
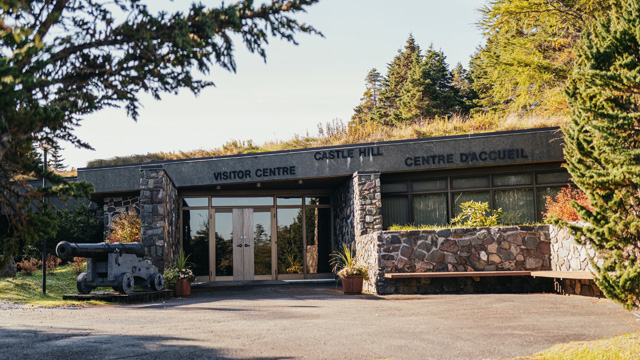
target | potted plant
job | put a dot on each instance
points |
(180, 276)
(344, 265)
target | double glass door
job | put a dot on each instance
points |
(243, 244)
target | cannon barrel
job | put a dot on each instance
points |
(67, 250)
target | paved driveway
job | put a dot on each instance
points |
(311, 322)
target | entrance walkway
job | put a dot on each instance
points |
(311, 321)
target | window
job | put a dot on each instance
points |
(430, 209)
(520, 195)
(395, 210)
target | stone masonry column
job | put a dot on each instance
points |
(367, 201)
(158, 215)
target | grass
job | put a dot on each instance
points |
(623, 347)
(338, 133)
(409, 227)
(27, 290)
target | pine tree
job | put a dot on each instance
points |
(440, 91)
(428, 91)
(397, 75)
(462, 82)
(530, 51)
(56, 162)
(603, 148)
(413, 102)
(369, 102)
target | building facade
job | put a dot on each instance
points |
(279, 215)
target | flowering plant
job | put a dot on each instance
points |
(179, 271)
(344, 263)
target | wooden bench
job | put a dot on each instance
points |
(578, 275)
(477, 274)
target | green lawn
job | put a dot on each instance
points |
(28, 289)
(623, 347)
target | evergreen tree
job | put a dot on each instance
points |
(530, 51)
(603, 148)
(462, 82)
(428, 90)
(413, 101)
(369, 102)
(397, 75)
(56, 162)
(440, 90)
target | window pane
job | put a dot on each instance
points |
(290, 241)
(471, 182)
(430, 185)
(511, 180)
(262, 242)
(195, 202)
(395, 211)
(517, 205)
(224, 244)
(289, 201)
(459, 198)
(397, 187)
(242, 201)
(542, 193)
(559, 177)
(196, 239)
(430, 209)
(318, 222)
(317, 200)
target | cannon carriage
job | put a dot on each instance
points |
(116, 265)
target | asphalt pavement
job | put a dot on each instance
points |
(316, 321)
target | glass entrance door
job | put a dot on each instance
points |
(243, 244)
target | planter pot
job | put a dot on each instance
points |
(352, 285)
(182, 288)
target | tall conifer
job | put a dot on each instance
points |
(603, 148)
(369, 102)
(397, 75)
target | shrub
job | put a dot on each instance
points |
(52, 264)
(28, 267)
(561, 207)
(477, 214)
(79, 265)
(125, 228)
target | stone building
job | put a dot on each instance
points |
(279, 215)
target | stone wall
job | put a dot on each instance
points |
(343, 213)
(159, 215)
(568, 255)
(368, 255)
(113, 206)
(367, 203)
(472, 249)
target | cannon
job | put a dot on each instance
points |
(116, 265)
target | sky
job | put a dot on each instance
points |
(298, 87)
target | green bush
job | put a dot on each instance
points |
(477, 214)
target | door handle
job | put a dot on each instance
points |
(246, 245)
(239, 245)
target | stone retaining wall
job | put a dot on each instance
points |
(472, 249)
(568, 255)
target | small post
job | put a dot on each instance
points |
(45, 147)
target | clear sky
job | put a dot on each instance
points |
(299, 87)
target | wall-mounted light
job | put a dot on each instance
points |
(300, 182)
(218, 187)
(258, 185)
